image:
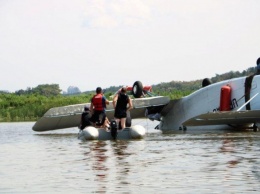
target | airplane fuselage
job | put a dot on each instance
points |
(207, 99)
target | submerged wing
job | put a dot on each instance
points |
(69, 116)
(225, 117)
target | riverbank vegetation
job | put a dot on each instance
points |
(32, 103)
(30, 107)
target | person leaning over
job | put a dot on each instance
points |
(85, 118)
(120, 102)
(98, 107)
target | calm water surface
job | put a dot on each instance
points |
(57, 162)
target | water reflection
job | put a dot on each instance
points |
(108, 161)
(228, 146)
(121, 153)
(97, 155)
(99, 150)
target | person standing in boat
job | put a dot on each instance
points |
(98, 107)
(120, 102)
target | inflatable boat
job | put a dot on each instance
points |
(93, 133)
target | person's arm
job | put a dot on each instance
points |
(130, 104)
(91, 108)
(115, 100)
(105, 102)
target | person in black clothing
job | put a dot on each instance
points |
(248, 84)
(85, 118)
(258, 66)
(120, 102)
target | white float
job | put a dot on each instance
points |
(92, 133)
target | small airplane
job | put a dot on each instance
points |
(229, 104)
(70, 116)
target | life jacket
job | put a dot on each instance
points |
(97, 101)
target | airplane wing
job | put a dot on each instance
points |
(225, 117)
(69, 116)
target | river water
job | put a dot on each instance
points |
(57, 162)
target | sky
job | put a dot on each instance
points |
(91, 43)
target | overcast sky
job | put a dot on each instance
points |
(90, 43)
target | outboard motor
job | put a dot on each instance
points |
(113, 130)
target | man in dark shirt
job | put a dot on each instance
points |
(120, 102)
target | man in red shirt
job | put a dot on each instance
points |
(98, 107)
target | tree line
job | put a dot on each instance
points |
(32, 103)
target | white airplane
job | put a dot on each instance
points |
(230, 104)
(70, 116)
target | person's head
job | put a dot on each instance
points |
(258, 64)
(258, 61)
(86, 108)
(98, 90)
(123, 89)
